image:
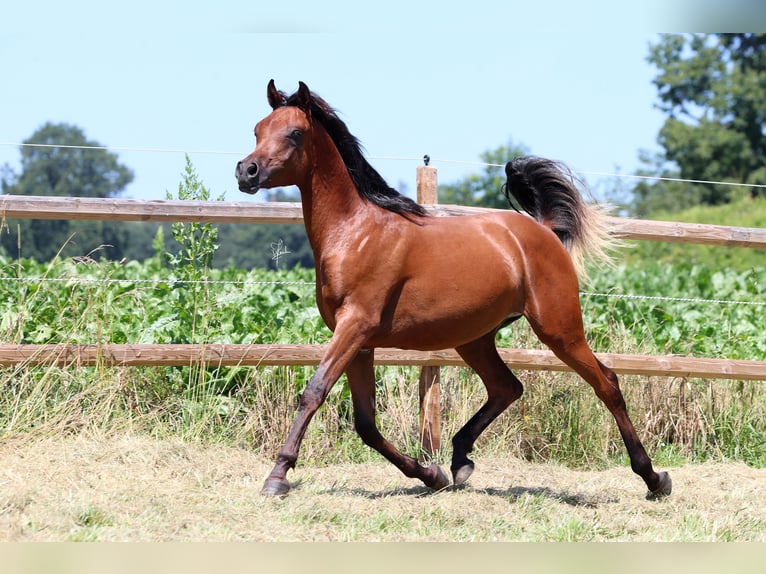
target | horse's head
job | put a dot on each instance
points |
(280, 157)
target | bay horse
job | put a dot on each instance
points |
(390, 275)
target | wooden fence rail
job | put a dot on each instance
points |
(83, 208)
(231, 355)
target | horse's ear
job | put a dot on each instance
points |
(275, 97)
(304, 97)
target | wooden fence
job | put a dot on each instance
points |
(83, 208)
(230, 355)
(28, 207)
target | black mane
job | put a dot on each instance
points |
(369, 183)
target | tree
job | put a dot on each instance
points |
(660, 196)
(484, 189)
(66, 164)
(59, 160)
(713, 89)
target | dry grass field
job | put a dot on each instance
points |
(129, 488)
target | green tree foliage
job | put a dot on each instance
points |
(713, 89)
(274, 246)
(61, 166)
(483, 189)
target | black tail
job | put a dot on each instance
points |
(548, 191)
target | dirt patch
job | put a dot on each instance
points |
(131, 488)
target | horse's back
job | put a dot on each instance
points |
(486, 236)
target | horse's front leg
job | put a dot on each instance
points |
(344, 345)
(312, 398)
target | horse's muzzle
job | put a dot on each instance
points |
(248, 176)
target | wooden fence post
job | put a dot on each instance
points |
(429, 383)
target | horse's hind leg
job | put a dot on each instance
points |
(502, 389)
(361, 381)
(560, 328)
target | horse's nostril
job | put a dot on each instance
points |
(252, 170)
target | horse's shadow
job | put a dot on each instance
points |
(511, 494)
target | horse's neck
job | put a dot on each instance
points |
(329, 200)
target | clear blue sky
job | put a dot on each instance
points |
(569, 80)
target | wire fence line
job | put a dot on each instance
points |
(243, 282)
(374, 157)
(674, 299)
(169, 281)
(121, 148)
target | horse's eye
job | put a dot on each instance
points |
(296, 136)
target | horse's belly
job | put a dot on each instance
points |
(446, 323)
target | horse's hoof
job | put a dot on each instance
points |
(275, 487)
(663, 490)
(441, 481)
(461, 475)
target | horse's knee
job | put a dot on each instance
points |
(315, 392)
(610, 375)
